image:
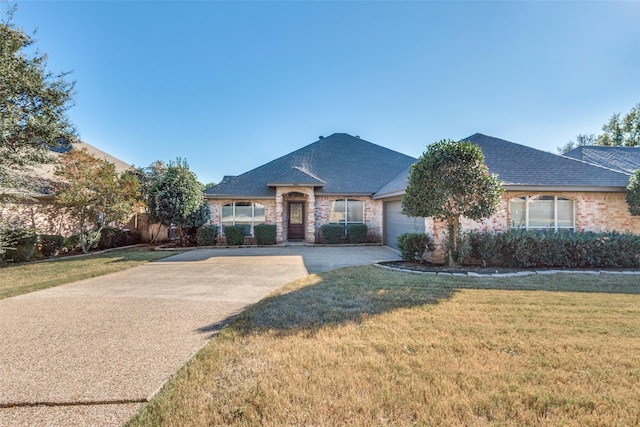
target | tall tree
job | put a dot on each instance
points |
(618, 131)
(450, 180)
(176, 198)
(33, 106)
(93, 192)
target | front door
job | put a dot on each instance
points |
(296, 221)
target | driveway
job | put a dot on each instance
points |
(93, 352)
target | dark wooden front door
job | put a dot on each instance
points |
(296, 221)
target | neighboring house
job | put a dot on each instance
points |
(36, 210)
(330, 181)
(343, 179)
(622, 159)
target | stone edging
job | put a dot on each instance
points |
(516, 274)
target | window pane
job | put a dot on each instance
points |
(227, 214)
(355, 211)
(541, 213)
(243, 213)
(565, 213)
(258, 214)
(518, 213)
(336, 214)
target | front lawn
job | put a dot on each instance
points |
(366, 346)
(24, 278)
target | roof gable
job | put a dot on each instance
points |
(342, 163)
(621, 159)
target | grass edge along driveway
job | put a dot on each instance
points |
(367, 346)
(31, 277)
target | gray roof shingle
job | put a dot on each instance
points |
(519, 166)
(346, 165)
(622, 159)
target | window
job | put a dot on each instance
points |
(243, 213)
(346, 211)
(542, 213)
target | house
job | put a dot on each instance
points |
(330, 181)
(343, 179)
(621, 159)
(36, 210)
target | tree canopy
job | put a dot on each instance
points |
(33, 106)
(93, 192)
(620, 131)
(449, 181)
(633, 194)
(174, 197)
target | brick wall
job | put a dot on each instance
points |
(372, 213)
(593, 211)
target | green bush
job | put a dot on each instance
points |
(414, 246)
(111, 237)
(234, 234)
(72, 243)
(21, 244)
(50, 244)
(206, 235)
(528, 248)
(332, 233)
(357, 233)
(265, 234)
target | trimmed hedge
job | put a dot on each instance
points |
(526, 248)
(206, 235)
(357, 233)
(332, 233)
(265, 234)
(21, 244)
(234, 234)
(50, 244)
(414, 246)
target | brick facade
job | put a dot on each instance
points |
(316, 211)
(593, 211)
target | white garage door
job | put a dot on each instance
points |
(395, 223)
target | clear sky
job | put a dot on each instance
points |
(231, 85)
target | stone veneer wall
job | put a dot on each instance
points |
(41, 215)
(593, 211)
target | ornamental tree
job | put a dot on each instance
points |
(450, 180)
(176, 198)
(633, 194)
(33, 106)
(93, 192)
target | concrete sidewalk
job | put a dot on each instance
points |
(93, 352)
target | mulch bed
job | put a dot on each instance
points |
(439, 268)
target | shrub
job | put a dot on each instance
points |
(72, 243)
(414, 246)
(21, 244)
(234, 234)
(332, 233)
(265, 234)
(357, 233)
(111, 237)
(528, 248)
(486, 246)
(206, 235)
(50, 244)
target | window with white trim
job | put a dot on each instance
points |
(346, 211)
(542, 213)
(248, 214)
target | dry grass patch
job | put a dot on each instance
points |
(24, 278)
(364, 346)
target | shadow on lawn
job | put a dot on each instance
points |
(352, 294)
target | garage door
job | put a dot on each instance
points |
(395, 223)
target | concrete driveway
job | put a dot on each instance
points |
(93, 352)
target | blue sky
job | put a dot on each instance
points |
(232, 85)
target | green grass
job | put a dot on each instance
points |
(366, 346)
(24, 278)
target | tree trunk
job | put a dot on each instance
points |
(83, 243)
(454, 225)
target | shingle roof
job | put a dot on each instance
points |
(623, 159)
(343, 163)
(519, 166)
